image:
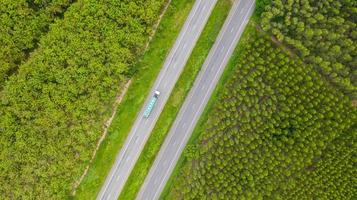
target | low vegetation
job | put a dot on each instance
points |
(52, 111)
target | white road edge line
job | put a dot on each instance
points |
(173, 52)
(155, 195)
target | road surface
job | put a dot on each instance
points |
(164, 83)
(196, 100)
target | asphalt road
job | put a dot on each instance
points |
(164, 83)
(196, 100)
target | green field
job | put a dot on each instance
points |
(176, 99)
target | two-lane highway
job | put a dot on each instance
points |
(164, 83)
(196, 100)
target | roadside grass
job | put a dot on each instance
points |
(168, 192)
(147, 68)
(176, 99)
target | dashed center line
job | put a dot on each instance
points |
(184, 46)
(184, 125)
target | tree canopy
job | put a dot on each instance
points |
(278, 130)
(323, 33)
(53, 109)
(22, 23)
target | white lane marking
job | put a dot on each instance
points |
(246, 21)
(203, 87)
(179, 40)
(184, 125)
(193, 13)
(171, 163)
(118, 178)
(184, 46)
(146, 121)
(232, 30)
(152, 124)
(109, 196)
(241, 11)
(136, 139)
(127, 158)
(222, 48)
(150, 176)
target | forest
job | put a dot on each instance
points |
(22, 25)
(323, 33)
(279, 132)
(53, 108)
(284, 126)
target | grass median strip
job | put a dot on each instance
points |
(167, 192)
(176, 99)
(148, 68)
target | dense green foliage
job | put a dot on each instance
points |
(278, 131)
(52, 111)
(22, 23)
(284, 126)
(323, 32)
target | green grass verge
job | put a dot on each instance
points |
(167, 192)
(148, 68)
(176, 99)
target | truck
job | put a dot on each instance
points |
(151, 104)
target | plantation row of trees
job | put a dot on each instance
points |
(53, 109)
(324, 33)
(22, 23)
(278, 131)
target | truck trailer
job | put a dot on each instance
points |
(151, 104)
